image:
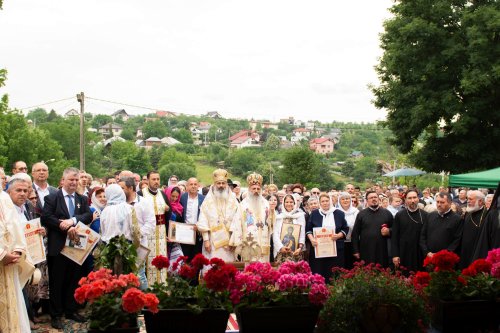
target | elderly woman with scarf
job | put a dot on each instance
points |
(285, 246)
(117, 217)
(327, 216)
(97, 204)
(345, 205)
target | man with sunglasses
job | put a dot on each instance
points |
(19, 166)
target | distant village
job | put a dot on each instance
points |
(321, 140)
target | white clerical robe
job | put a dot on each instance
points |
(216, 213)
(254, 225)
(157, 240)
(13, 315)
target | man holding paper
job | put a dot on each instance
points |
(61, 212)
(326, 229)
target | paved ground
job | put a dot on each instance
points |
(74, 327)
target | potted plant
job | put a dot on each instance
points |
(287, 299)
(464, 300)
(369, 298)
(114, 301)
(188, 303)
(119, 255)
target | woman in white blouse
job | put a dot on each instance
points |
(288, 243)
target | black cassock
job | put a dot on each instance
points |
(473, 225)
(366, 237)
(441, 232)
(490, 235)
(405, 238)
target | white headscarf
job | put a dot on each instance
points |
(294, 213)
(95, 202)
(116, 217)
(350, 213)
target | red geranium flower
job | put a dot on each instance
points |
(444, 260)
(218, 278)
(481, 265)
(160, 262)
(462, 280)
(199, 261)
(421, 280)
(133, 300)
(188, 272)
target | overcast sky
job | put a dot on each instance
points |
(266, 59)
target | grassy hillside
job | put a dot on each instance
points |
(204, 171)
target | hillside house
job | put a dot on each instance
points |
(245, 138)
(110, 129)
(120, 114)
(321, 145)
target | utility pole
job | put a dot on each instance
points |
(81, 99)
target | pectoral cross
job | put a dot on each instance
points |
(160, 220)
(249, 249)
(78, 205)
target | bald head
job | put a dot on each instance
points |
(126, 173)
(40, 173)
(192, 186)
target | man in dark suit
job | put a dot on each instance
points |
(191, 201)
(61, 212)
(40, 174)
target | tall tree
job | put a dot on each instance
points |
(439, 81)
(154, 129)
(302, 165)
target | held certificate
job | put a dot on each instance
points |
(219, 236)
(79, 253)
(34, 241)
(181, 233)
(326, 247)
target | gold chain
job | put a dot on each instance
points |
(480, 220)
(411, 218)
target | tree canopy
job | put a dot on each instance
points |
(439, 81)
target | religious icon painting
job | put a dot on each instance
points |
(290, 235)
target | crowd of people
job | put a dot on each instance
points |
(393, 226)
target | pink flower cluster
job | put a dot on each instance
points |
(494, 259)
(259, 282)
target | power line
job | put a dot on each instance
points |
(125, 104)
(36, 106)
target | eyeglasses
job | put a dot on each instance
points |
(33, 198)
(314, 192)
(23, 168)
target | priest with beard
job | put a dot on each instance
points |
(255, 209)
(220, 220)
(371, 231)
(405, 236)
(490, 233)
(474, 222)
(443, 228)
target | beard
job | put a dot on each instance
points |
(473, 209)
(221, 193)
(412, 206)
(254, 203)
